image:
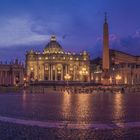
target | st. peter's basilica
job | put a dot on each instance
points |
(54, 64)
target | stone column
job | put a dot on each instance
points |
(0, 77)
(51, 72)
(38, 71)
(13, 78)
(4, 77)
(44, 72)
(66, 69)
(7, 78)
(55, 73)
(62, 73)
(74, 74)
(21, 76)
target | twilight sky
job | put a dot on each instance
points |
(28, 24)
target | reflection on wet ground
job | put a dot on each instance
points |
(80, 108)
(107, 116)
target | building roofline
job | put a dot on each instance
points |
(124, 53)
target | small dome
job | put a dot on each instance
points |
(53, 46)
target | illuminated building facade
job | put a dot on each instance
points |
(117, 57)
(126, 66)
(53, 64)
(119, 67)
(124, 69)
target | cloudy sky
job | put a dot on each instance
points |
(28, 24)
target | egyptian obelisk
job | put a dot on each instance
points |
(105, 59)
(105, 64)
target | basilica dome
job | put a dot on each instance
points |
(53, 46)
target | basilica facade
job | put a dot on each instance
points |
(54, 64)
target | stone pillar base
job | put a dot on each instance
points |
(105, 78)
(105, 81)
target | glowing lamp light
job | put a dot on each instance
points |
(59, 72)
(59, 68)
(24, 78)
(118, 77)
(86, 72)
(71, 69)
(46, 68)
(83, 71)
(67, 77)
(97, 79)
(80, 72)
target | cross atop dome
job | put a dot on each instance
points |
(53, 38)
(53, 46)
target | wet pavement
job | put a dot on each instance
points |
(100, 109)
(10, 131)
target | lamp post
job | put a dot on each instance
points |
(67, 78)
(83, 72)
(118, 78)
(25, 81)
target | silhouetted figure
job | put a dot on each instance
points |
(122, 90)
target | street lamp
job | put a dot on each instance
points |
(118, 78)
(83, 72)
(25, 81)
(67, 78)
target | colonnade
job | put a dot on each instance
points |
(8, 77)
(5, 77)
(58, 71)
(55, 72)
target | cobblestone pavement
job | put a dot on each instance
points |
(9, 131)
